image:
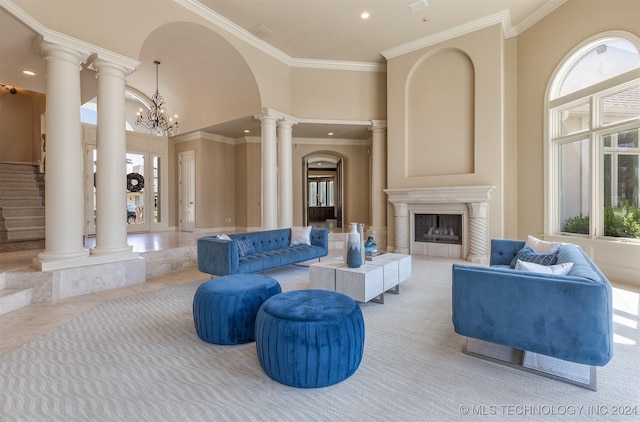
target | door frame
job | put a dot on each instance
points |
(190, 155)
(310, 160)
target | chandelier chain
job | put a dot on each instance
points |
(157, 119)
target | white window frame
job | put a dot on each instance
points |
(594, 133)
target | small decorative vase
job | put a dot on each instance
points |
(370, 248)
(353, 248)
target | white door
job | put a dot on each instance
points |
(187, 190)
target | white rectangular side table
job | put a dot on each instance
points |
(404, 265)
(363, 284)
(322, 275)
(390, 273)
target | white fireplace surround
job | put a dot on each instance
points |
(469, 201)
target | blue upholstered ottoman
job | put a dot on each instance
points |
(309, 338)
(225, 308)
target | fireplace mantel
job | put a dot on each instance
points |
(475, 198)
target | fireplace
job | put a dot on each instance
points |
(438, 228)
(449, 222)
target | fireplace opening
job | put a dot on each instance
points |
(438, 228)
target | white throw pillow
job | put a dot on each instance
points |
(223, 237)
(541, 246)
(300, 235)
(558, 269)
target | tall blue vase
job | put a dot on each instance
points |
(353, 248)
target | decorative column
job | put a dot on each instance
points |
(401, 227)
(285, 170)
(478, 230)
(63, 181)
(269, 172)
(378, 183)
(111, 201)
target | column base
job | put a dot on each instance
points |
(81, 261)
(478, 259)
(100, 250)
(45, 256)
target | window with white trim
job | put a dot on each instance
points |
(593, 133)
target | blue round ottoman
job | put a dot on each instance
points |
(224, 308)
(309, 338)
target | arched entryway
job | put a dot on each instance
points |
(323, 190)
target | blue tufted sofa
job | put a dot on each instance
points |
(269, 249)
(568, 317)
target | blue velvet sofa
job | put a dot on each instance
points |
(568, 317)
(258, 251)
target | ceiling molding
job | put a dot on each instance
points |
(54, 37)
(502, 18)
(339, 65)
(332, 141)
(536, 16)
(225, 24)
(199, 135)
(246, 36)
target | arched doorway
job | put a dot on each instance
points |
(323, 190)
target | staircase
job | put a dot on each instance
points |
(21, 203)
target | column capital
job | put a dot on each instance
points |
(53, 50)
(106, 67)
(266, 117)
(286, 123)
(378, 125)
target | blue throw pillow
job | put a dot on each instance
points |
(245, 247)
(528, 255)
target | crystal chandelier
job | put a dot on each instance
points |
(157, 119)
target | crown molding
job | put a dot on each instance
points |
(246, 36)
(87, 50)
(536, 16)
(498, 18)
(200, 135)
(339, 65)
(332, 141)
(225, 24)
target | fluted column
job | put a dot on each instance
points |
(478, 229)
(401, 227)
(285, 170)
(63, 181)
(378, 183)
(111, 201)
(269, 172)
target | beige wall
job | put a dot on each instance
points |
(248, 179)
(541, 49)
(20, 126)
(338, 94)
(485, 49)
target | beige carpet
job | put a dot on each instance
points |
(139, 359)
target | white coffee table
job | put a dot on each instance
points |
(363, 284)
(403, 267)
(368, 283)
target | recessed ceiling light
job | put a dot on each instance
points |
(425, 19)
(29, 72)
(365, 15)
(330, 133)
(247, 131)
(319, 164)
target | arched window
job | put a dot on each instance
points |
(593, 140)
(134, 101)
